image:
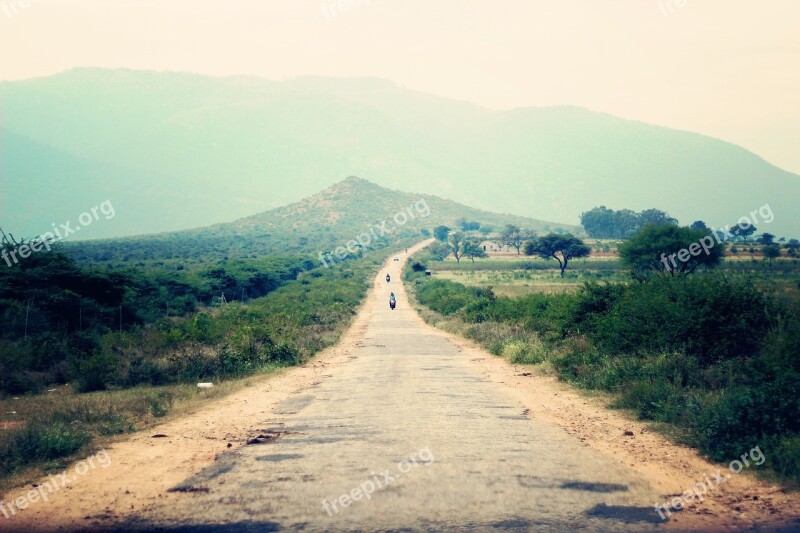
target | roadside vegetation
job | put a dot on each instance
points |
(712, 357)
(72, 371)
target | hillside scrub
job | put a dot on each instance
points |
(713, 356)
(286, 327)
(64, 323)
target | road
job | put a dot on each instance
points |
(406, 434)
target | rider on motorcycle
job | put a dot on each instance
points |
(392, 301)
(388, 278)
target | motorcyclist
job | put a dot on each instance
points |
(392, 301)
(388, 278)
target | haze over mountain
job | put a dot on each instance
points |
(175, 151)
(351, 210)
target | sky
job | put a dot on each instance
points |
(725, 68)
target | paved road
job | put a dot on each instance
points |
(409, 421)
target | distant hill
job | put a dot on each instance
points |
(352, 209)
(174, 151)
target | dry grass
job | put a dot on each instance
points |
(101, 417)
(513, 283)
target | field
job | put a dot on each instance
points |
(509, 274)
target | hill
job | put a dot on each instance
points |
(351, 210)
(181, 150)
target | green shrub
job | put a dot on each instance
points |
(94, 373)
(710, 317)
(116, 424)
(532, 352)
(40, 442)
(160, 404)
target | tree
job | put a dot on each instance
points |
(457, 243)
(604, 223)
(670, 249)
(467, 225)
(473, 250)
(599, 222)
(766, 239)
(441, 233)
(562, 248)
(626, 222)
(514, 237)
(698, 225)
(772, 251)
(743, 231)
(439, 251)
(656, 217)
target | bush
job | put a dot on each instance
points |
(711, 317)
(94, 373)
(531, 352)
(40, 442)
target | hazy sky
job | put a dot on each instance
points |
(726, 68)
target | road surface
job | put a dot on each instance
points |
(407, 434)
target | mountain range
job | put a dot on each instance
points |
(174, 151)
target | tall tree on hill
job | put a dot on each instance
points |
(441, 233)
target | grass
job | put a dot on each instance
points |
(43, 433)
(511, 275)
(521, 282)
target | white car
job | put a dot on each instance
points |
(397, 259)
